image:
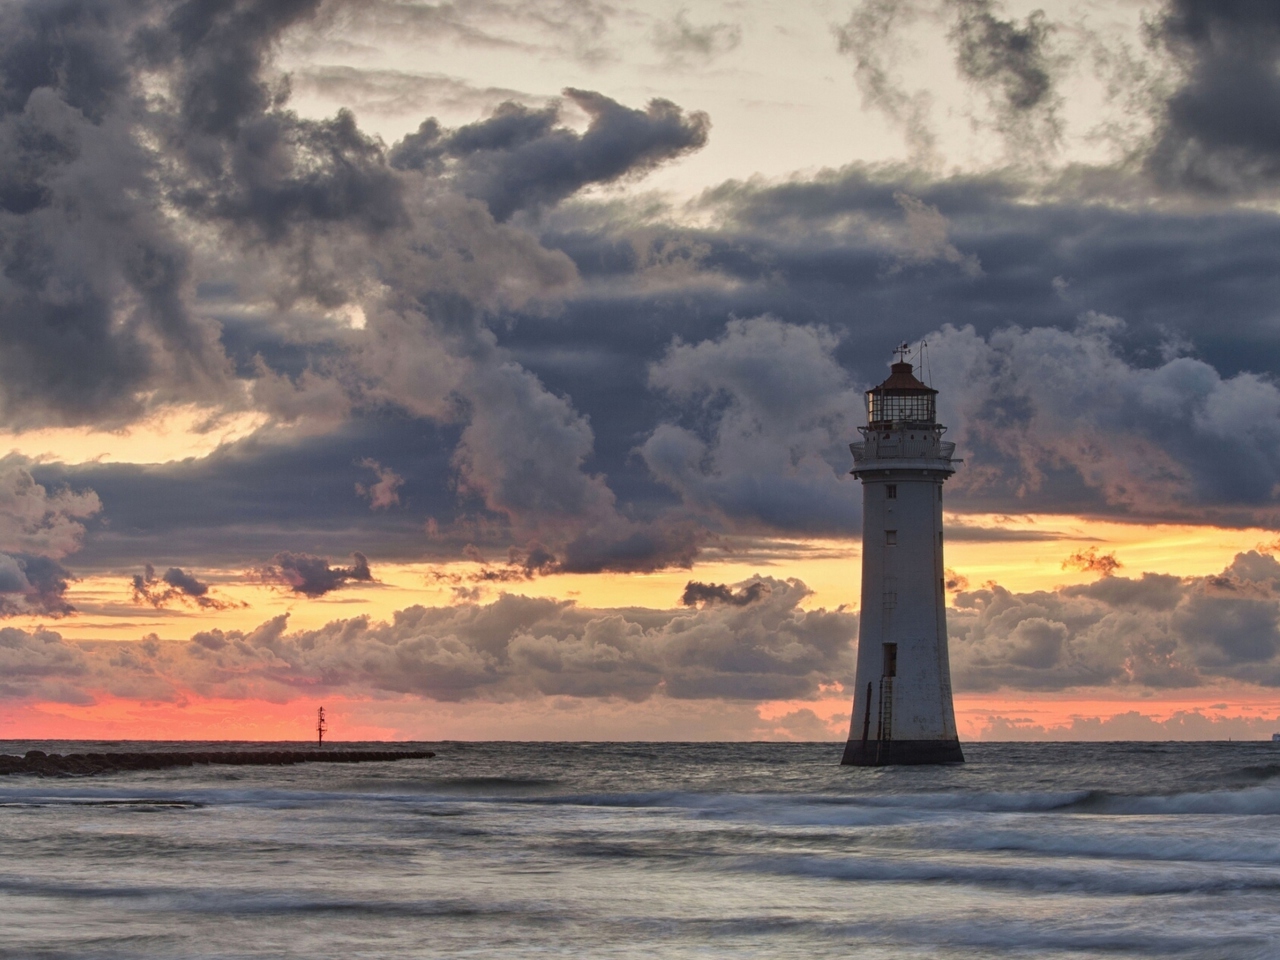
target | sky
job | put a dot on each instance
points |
(487, 369)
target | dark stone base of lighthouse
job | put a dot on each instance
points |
(883, 753)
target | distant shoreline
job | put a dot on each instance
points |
(41, 764)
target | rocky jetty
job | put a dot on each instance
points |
(88, 764)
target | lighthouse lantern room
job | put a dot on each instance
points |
(902, 709)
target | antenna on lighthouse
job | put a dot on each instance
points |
(320, 727)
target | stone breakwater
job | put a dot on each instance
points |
(87, 764)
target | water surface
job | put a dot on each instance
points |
(652, 850)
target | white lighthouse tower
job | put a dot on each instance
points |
(902, 710)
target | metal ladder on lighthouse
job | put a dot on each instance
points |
(885, 729)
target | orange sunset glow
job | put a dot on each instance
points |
(107, 610)
(829, 568)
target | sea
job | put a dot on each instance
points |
(651, 850)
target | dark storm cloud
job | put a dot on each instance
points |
(336, 219)
(174, 578)
(597, 389)
(1221, 125)
(743, 424)
(1130, 363)
(43, 520)
(523, 454)
(37, 529)
(1171, 438)
(249, 161)
(255, 497)
(971, 533)
(82, 236)
(336, 174)
(696, 593)
(33, 585)
(313, 576)
(221, 47)
(102, 182)
(1010, 61)
(152, 144)
(871, 38)
(95, 314)
(71, 47)
(188, 584)
(1091, 561)
(1156, 631)
(633, 547)
(1012, 55)
(174, 584)
(1013, 61)
(513, 648)
(523, 158)
(771, 412)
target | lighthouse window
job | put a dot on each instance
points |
(891, 537)
(891, 491)
(908, 407)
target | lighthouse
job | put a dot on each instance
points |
(902, 709)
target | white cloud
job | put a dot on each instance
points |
(515, 648)
(32, 520)
(776, 413)
(1154, 631)
(1165, 440)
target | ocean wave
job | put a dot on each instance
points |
(1045, 876)
(1259, 772)
(1001, 937)
(1250, 801)
(783, 809)
(220, 900)
(828, 809)
(482, 784)
(140, 803)
(873, 809)
(1207, 846)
